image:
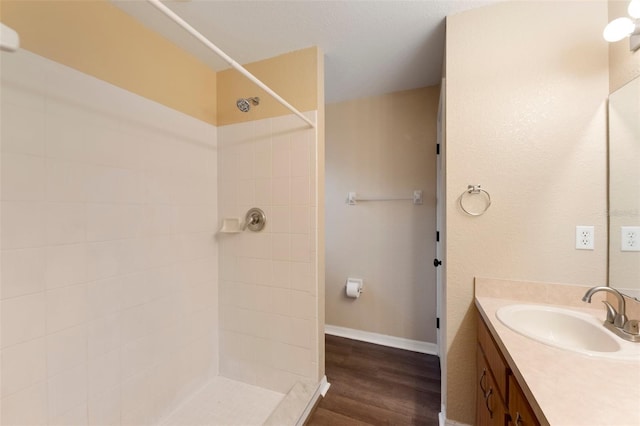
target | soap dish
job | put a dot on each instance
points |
(231, 225)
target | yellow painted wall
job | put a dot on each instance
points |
(294, 76)
(624, 65)
(526, 119)
(97, 38)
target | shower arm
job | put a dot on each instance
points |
(178, 20)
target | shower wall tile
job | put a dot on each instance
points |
(103, 373)
(103, 335)
(281, 191)
(300, 190)
(66, 349)
(113, 185)
(109, 277)
(23, 177)
(281, 274)
(23, 224)
(24, 127)
(66, 307)
(23, 365)
(104, 408)
(300, 248)
(111, 221)
(105, 259)
(66, 181)
(26, 407)
(66, 391)
(23, 272)
(77, 416)
(65, 265)
(23, 318)
(268, 312)
(65, 223)
(105, 297)
(65, 137)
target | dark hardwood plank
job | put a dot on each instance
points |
(322, 417)
(377, 385)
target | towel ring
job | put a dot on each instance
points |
(474, 189)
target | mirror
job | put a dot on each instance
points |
(624, 189)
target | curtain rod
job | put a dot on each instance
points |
(178, 20)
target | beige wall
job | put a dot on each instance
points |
(526, 119)
(99, 39)
(109, 272)
(382, 146)
(293, 76)
(624, 65)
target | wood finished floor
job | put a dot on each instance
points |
(377, 385)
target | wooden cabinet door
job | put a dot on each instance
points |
(490, 408)
(519, 409)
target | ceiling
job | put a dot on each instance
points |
(371, 47)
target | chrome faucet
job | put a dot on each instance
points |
(617, 318)
(616, 321)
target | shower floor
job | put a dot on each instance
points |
(224, 401)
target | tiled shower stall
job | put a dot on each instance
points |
(119, 298)
(268, 283)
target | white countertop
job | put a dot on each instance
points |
(564, 387)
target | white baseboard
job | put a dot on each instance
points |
(382, 339)
(321, 390)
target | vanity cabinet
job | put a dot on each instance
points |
(499, 399)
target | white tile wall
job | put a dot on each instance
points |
(268, 282)
(109, 265)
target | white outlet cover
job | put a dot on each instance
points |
(630, 238)
(585, 238)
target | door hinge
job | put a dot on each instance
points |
(437, 322)
(437, 149)
(438, 236)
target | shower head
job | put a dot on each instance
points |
(244, 104)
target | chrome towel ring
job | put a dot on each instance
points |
(474, 189)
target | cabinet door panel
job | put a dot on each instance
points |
(490, 408)
(519, 409)
(497, 364)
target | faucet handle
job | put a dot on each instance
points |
(620, 320)
(631, 327)
(611, 312)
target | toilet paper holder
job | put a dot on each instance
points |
(353, 288)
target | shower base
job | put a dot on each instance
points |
(224, 401)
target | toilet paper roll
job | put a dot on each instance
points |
(354, 288)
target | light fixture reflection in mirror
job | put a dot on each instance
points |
(623, 27)
(624, 188)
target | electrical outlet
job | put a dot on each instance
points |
(630, 238)
(584, 237)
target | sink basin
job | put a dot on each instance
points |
(567, 329)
